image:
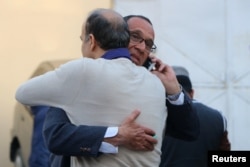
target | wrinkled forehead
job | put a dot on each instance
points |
(142, 27)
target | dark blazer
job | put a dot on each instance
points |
(180, 153)
(182, 122)
(39, 152)
(64, 138)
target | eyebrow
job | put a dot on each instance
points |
(137, 31)
(140, 33)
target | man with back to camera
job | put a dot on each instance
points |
(213, 133)
(184, 127)
(112, 87)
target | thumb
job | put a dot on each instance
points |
(132, 117)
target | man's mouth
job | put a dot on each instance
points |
(135, 59)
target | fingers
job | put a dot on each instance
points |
(151, 139)
(148, 146)
(147, 143)
(148, 131)
(143, 142)
(134, 136)
(160, 66)
(151, 55)
(132, 117)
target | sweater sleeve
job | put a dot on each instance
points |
(56, 87)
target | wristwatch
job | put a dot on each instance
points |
(174, 97)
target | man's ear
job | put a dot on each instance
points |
(92, 42)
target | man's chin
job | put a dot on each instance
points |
(134, 60)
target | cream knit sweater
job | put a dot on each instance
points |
(103, 92)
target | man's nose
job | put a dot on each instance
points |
(141, 46)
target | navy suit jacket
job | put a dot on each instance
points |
(64, 138)
(39, 152)
(180, 153)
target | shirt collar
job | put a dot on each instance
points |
(117, 53)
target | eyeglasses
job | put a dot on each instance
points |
(86, 38)
(137, 39)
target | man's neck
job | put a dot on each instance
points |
(117, 53)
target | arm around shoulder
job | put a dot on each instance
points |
(64, 138)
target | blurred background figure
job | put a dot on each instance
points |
(213, 133)
(39, 156)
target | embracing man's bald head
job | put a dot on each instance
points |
(109, 29)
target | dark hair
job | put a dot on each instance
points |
(110, 33)
(126, 18)
(185, 83)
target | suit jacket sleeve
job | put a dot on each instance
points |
(182, 120)
(64, 138)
